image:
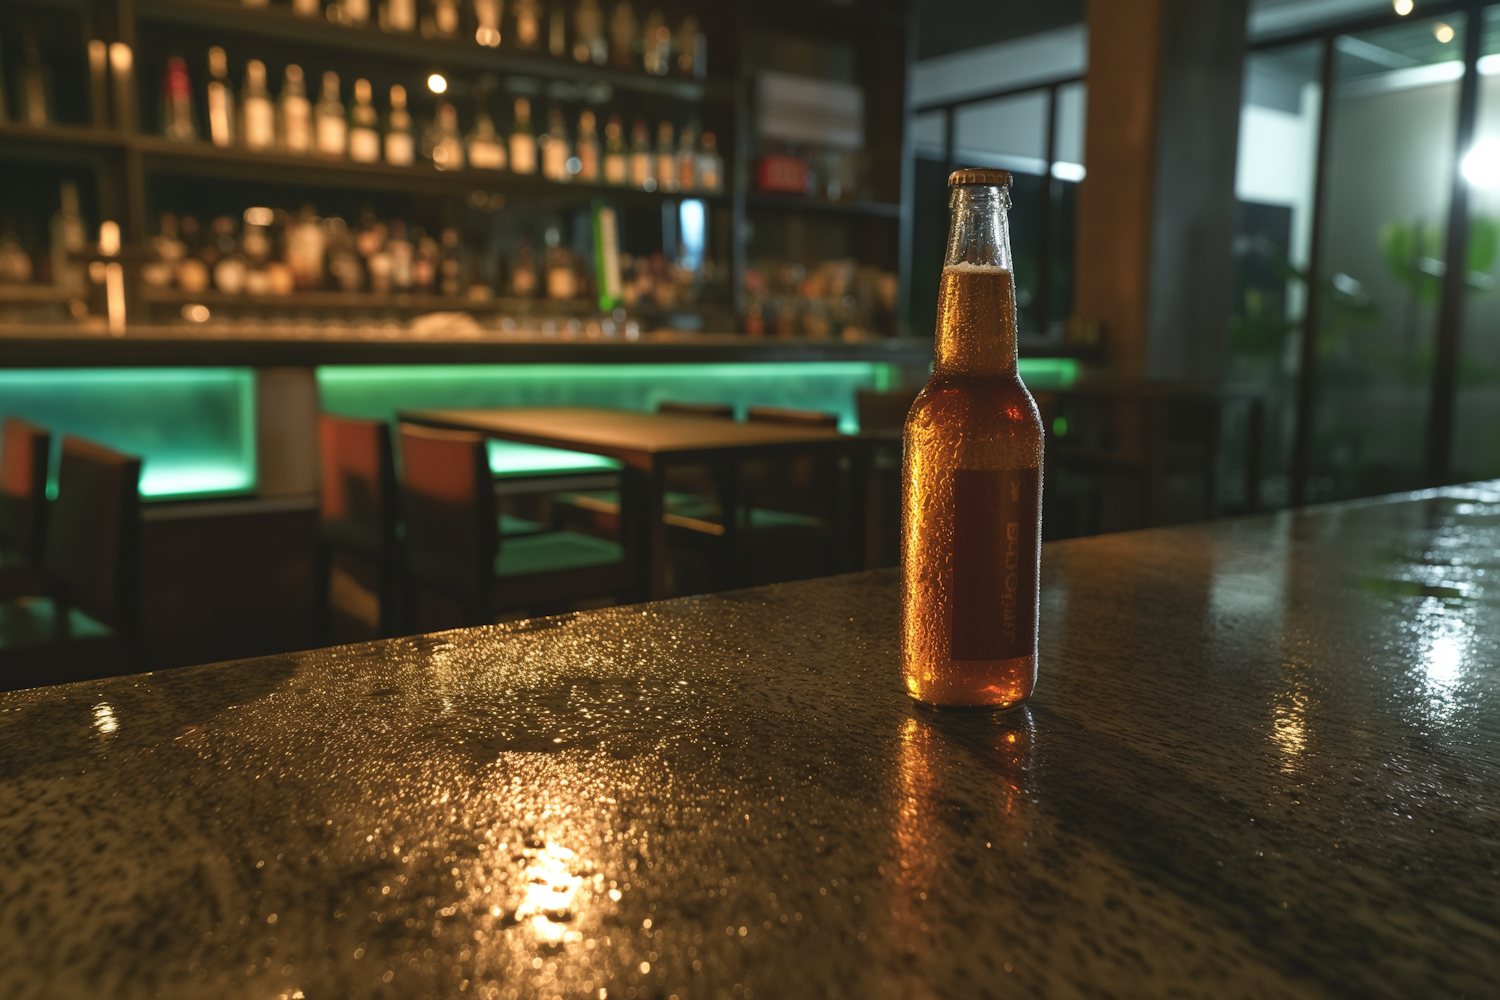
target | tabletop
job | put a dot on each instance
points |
(638, 439)
(1261, 761)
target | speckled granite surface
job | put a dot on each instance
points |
(1262, 762)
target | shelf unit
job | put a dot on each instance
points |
(128, 163)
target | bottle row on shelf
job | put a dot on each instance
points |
(291, 123)
(624, 41)
(836, 298)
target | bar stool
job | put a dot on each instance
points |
(359, 559)
(461, 570)
(88, 626)
(23, 506)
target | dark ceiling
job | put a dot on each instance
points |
(945, 26)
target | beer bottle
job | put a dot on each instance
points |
(971, 477)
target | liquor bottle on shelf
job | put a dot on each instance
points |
(555, 152)
(192, 269)
(166, 250)
(487, 13)
(255, 244)
(220, 100)
(364, 126)
(332, 122)
(449, 265)
(656, 44)
(69, 240)
(231, 269)
(528, 24)
(666, 159)
(398, 15)
(523, 274)
(177, 102)
(642, 174)
(36, 83)
(522, 142)
(307, 8)
(15, 263)
(444, 20)
(615, 166)
(623, 37)
(971, 478)
(588, 34)
(710, 165)
(352, 11)
(691, 48)
(374, 247)
(98, 85)
(486, 151)
(557, 31)
(344, 264)
(424, 264)
(295, 112)
(443, 145)
(562, 275)
(257, 113)
(306, 242)
(687, 160)
(399, 146)
(400, 249)
(588, 149)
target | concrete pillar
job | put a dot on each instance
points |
(1156, 210)
(286, 431)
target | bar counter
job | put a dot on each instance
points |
(1262, 761)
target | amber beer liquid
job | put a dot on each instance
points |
(971, 478)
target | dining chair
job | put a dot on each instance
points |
(88, 623)
(462, 571)
(359, 559)
(24, 450)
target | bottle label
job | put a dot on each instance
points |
(996, 552)
(364, 145)
(398, 148)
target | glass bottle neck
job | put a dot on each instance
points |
(976, 322)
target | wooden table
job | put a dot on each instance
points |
(647, 444)
(1263, 760)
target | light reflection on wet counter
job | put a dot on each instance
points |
(1262, 760)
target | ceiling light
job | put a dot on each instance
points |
(436, 83)
(1442, 32)
(1481, 165)
(1403, 7)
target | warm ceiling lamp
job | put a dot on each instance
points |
(1481, 165)
(437, 83)
(1442, 32)
(1403, 7)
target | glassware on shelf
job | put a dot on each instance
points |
(331, 122)
(615, 165)
(710, 165)
(220, 100)
(486, 151)
(449, 266)
(687, 160)
(522, 142)
(442, 144)
(588, 34)
(642, 169)
(666, 159)
(364, 125)
(555, 151)
(295, 113)
(177, 102)
(588, 149)
(257, 112)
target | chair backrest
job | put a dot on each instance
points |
(92, 555)
(783, 415)
(357, 509)
(884, 411)
(713, 411)
(448, 505)
(23, 487)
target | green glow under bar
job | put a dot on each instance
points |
(194, 428)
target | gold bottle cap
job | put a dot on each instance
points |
(979, 175)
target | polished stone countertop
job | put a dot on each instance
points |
(1261, 761)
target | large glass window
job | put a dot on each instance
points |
(1385, 205)
(1476, 431)
(1274, 182)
